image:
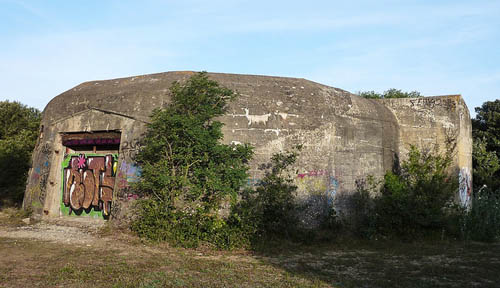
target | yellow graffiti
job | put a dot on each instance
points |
(316, 185)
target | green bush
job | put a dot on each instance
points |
(361, 219)
(416, 201)
(187, 175)
(482, 221)
(270, 211)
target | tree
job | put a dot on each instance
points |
(486, 137)
(19, 126)
(391, 93)
(486, 165)
(187, 174)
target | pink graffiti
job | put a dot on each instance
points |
(81, 161)
(313, 173)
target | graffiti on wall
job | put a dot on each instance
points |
(254, 182)
(40, 175)
(433, 102)
(465, 186)
(312, 173)
(333, 185)
(129, 149)
(89, 181)
(91, 142)
(320, 181)
(128, 173)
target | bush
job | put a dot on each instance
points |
(187, 175)
(361, 219)
(482, 221)
(270, 211)
(415, 201)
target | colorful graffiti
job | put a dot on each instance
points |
(128, 173)
(465, 186)
(40, 175)
(313, 173)
(254, 182)
(88, 181)
(91, 142)
(320, 181)
(333, 185)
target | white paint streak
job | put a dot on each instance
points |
(286, 115)
(277, 131)
(256, 118)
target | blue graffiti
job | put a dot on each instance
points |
(333, 184)
(254, 182)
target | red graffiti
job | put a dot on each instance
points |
(89, 181)
(312, 173)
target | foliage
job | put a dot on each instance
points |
(414, 202)
(486, 165)
(482, 221)
(391, 93)
(486, 150)
(361, 220)
(187, 175)
(270, 211)
(18, 133)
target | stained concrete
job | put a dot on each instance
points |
(344, 137)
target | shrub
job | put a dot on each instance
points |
(187, 175)
(482, 221)
(270, 211)
(415, 201)
(361, 219)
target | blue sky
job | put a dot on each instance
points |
(435, 47)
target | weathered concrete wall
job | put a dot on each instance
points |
(345, 137)
(431, 122)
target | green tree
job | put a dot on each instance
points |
(391, 93)
(486, 152)
(486, 165)
(19, 126)
(187, 174)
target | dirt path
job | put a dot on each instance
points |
(58, 230)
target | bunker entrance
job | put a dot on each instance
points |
(89, 171)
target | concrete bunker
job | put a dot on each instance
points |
(345, 138)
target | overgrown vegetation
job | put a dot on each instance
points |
(18, 133)
(270, 211)
(482, 221)
(193, 185)
(391, 93)
(414, 200)
(486, 136)
(187, 175)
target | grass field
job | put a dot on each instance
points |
(118, 259)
